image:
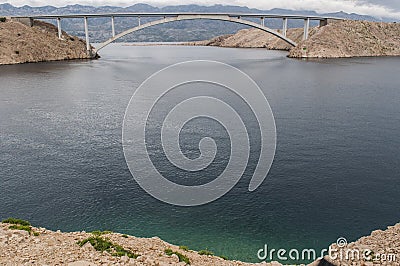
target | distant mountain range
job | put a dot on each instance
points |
(100, 28)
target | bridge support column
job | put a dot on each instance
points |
(87, 35)
(112, 26)
(263, 21)
(139, 21)
(59, 28)
(284, 27)
(306, 28)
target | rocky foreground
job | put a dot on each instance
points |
(45, 247)
(27, 245)
(336, 40)
(379, 248)
(20, 43)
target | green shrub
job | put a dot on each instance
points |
(120, 251)
(169, 252)
(27, 228)
(98, 243)
(205, 252)
(101, 244)
(36, 233)
(181, 257)
(125, 236)
(3, 19)
(185, 248)
(16, 221)
(223, 257)
(100, 233)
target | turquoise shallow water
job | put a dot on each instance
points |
(335, 171)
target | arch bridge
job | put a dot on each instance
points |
(162, 18)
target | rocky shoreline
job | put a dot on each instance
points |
(45, 247)
(20, 43)
(341, 39)
(23, 244)
(253, 38)
(351, 39)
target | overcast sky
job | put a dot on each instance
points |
(379, 8)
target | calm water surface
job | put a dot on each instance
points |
(336, 169)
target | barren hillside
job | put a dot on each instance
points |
(20, 43)
(351, 39)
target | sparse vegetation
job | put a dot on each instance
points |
(27, 228)
(102, 244)
(98, 243)
(3, 19)
(181, 257)
(206, 252)
(100, 233)
(185, 248)
(223, 257)
(16, 221)
(125, 236)
(19, 224)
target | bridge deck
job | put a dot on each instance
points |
(243, 15)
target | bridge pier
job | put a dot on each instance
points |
(87, 35)
(140, 22)
(59, 28)
(306, 28)
(263, 21)
(112, 26)
(284, 28)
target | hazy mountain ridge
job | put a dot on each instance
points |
(100, 28)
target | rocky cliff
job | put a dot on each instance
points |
(351, 39)
(379, 248)
(20, 43)
(27, 245)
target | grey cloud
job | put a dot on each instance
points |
(393, 4)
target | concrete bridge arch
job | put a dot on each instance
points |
(165, 20)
